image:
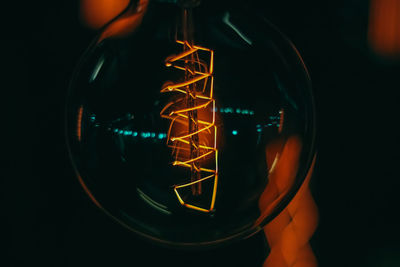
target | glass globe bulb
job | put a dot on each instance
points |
(178, 115)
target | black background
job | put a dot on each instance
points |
(49, 221)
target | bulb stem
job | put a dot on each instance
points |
(189, 3)
(187, 26)
(193, 127)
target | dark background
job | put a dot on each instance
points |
(49, 221)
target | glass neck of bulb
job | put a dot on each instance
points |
(189, 3)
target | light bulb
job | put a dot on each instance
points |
(179, 112)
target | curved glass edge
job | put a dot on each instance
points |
(282, 203)
(312, 127)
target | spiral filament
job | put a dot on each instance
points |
(192, 133)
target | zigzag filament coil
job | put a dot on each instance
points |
(192, 133)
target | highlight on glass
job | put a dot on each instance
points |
(179, 117)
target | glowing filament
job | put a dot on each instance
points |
(191, 135)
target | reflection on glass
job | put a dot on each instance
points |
(168, 127)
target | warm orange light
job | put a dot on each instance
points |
(384, 27)
(192, 134)
(88, 192)
(288, 234)
(98, 13)
(79, 123)
(281, 119)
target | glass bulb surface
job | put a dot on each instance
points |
(175, 129)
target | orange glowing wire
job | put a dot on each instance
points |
(196, 92)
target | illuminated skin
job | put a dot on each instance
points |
(199, 141)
